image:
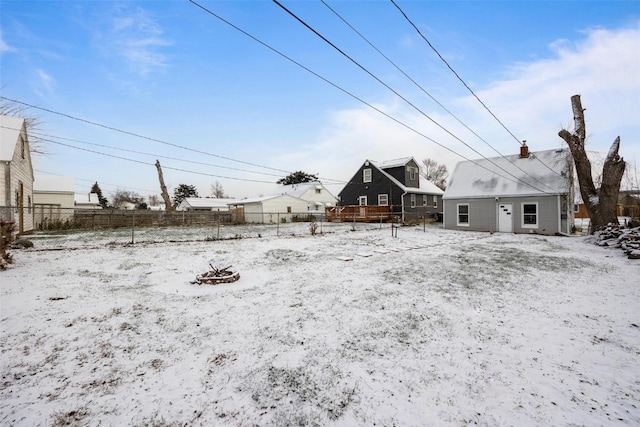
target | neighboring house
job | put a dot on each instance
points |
(204, 204)
(127, 206)
(535, 196)
(87, 201)
(628, 205)
(16, 174)
(54, 190)
(271, 209)
(396, 184)
(53, 200)
(313, 192)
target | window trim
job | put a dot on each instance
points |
(468, 214)
(425, 200)
(413, 200)
(360, 199)
(365, 172)
(435, 201)
(537, 215)
(412, 173)
(386, 201)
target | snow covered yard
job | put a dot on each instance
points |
(435, 328)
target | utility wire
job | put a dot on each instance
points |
(274, 50)
(45, 137)
(93, 180)
(153, 164)
(454, 71)
(427, 93)
(399, 95)
(141, 136)
(463, 82)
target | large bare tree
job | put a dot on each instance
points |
(33, 123)
(435, 172)
(600, 201)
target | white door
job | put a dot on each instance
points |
(362, 201)
(505, 217)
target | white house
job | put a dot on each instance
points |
(526, 193)
(271, 209)
(16, 174)
(313, 192)
(54, 190)
(87, 201)
(205, 204)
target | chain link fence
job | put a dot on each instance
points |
(54, 227)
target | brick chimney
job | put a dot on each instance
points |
(524, 150)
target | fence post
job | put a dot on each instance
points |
(321, 220)
(424, 219)
(133, 226)
(278, 225)
(218, 223)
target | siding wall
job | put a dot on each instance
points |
(19, 171)
(483, 214)
(64, 200)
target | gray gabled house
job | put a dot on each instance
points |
(526, 193)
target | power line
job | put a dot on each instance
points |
(463, 82)
(140, 136)
(454, 71)
(153, 164)
(399, 95)
(162, 142)
(427, 93)
(43, 136)
(276, 51)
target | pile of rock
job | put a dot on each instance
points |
(627, 239)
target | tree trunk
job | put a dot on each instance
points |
(600, 202)
(165, 196)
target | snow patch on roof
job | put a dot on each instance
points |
(10, 128)
(543, 172)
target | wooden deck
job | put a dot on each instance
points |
(359, 213)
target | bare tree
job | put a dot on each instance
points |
(600, 201)
(163, 188)
(121, 196)
(32, 123)
(217, 191)
(435, 172)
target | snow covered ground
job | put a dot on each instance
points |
(429, 328)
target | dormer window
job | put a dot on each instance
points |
(366, 175)
(412, 173)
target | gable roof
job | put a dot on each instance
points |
(265, 198)
(207, 202)
(54, 184)
(426, 187)
(394, 163)
(10, 128)
(543, 172)
(296, 190)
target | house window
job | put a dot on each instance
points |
(412, 173)
(435, 201)
(413, 200)
(463, 215)
(424, 200)
(530, 215)
(576, 208)
(288, 209)
(383, 200)
(318, 190)
(366, 175)
(362, 200)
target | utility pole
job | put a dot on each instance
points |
(163, 188)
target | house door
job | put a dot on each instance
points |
(362, 201)
(505, 217)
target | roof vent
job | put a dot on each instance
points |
(524, 150)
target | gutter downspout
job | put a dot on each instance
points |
(402, 200)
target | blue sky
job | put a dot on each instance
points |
(169, 71)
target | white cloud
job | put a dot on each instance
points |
(44, 84)
(534, 103)
(4, 47)
(137, 39)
